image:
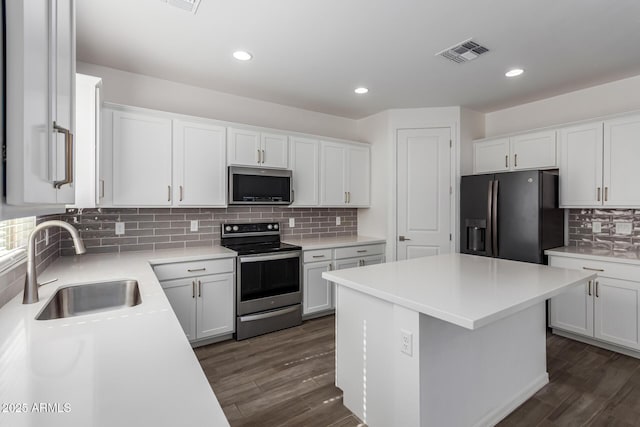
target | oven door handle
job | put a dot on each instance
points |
(260, 258)
(274, 313)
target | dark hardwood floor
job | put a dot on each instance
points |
(287, 379)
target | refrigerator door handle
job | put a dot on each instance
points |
(489, 233)
(494, 219)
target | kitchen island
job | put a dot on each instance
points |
(452, 339)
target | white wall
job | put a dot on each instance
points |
(149, 92)
(610, 98)
(472, 126)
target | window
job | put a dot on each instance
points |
(14, 236)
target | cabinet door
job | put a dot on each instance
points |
(40, 75)
(359, 177)
(573, 310)
(181, 294)
(333, 174)
(617, 304)
(581, 165)
(243, 147)
(621, 153)
(491, 156)
(199, 164)
(305, 164)
(372, 260)
(215, 305)
(318, 292)
(275, 150)
(534, 151)
(141, 160)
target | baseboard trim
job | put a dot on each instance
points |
(495, 416)
(597, 343)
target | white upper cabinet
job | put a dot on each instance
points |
(251, 148)
(305, 163)
(89, 181)
(345, 174)
(199, 164)
(491, 156)
(141, 160)
(621, 173)
(536, 150)
(40, 66)
(581, 149)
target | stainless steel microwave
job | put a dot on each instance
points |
(256, 186)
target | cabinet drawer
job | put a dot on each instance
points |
(610, 269)
(319, 255)
(193, 268)
(358, 251)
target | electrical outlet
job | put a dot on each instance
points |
(292, 222)
(194, 225)
(119, 228)
(624, 227)
(406, 342)
(596, 227)
(338, 220)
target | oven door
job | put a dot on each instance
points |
(268, 281)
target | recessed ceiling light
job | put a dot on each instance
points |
(514, 72)
(361, 90)
(241, 55)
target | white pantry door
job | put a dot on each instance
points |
(424, 199)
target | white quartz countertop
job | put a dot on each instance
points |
(466, 290)
(333, 242)
(126, 367)
(625, 257)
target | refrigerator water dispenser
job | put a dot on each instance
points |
(476, 232)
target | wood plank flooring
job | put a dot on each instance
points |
(287, 379)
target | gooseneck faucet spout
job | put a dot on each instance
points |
(31, 280)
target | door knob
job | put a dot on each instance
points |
(402, 238)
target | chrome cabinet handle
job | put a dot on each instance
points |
(589, 288)
(102, 188)
(403, 239)
(259, 159)
(193, 270)
(363, 251)
(193, 289)
(263, 156)
(199, 289)
(293, 195)
(345, 197)
(597, 294)
(68, 155)
(181, 193)
(330, 266)
(515, 160)
(168, 193)
(606, 194)
(598, 194)
(348, 196)
(593, 269)
(317, 256)
(506, 161)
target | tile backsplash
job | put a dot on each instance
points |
(164, 228)
(619, 229)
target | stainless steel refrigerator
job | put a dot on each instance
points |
(511, 215)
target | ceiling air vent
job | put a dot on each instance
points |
(466, 51)
(188, 5)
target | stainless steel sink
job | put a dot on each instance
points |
(89, 298)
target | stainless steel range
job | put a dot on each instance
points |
(268, 278)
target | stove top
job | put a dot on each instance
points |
(254, 238)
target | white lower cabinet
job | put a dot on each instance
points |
(318, 293)
(607, 308)
(204, 305)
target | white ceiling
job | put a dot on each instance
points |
(311, 54)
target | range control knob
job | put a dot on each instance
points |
(236, 228)
(269, 227)
(227, 228)
(276, 226)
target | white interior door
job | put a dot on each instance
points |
(424, 199)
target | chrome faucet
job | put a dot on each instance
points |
(31, 281)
